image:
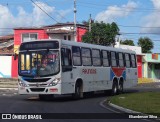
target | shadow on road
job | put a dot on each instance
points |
(68, 98)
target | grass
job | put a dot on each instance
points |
(145, 102)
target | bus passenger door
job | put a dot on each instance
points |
(67, 75)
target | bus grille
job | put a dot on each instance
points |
(37, 80)
(37, 89)
(41, 85)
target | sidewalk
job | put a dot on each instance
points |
(8, 83)
(148, 85)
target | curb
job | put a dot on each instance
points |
(123, 109)
(8, 88)
(118, 107)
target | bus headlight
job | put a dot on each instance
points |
(54, 82)
(21, 83)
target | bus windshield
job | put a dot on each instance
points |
(39, 63)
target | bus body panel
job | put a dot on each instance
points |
(131, 78)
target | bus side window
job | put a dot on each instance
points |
(66, 59)
(113, 59)
(133, 60)
(121, 59)
(127, 60)
(96, 57)
(76, 55)
(86, 57)
(105, 58)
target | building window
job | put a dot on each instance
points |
(29, 36)
(67, 37)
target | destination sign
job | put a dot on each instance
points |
(39, 45)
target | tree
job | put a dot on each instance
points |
(128, 42)
(85, 22)
(146, 44)
(102, 34)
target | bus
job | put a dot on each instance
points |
(58, 67)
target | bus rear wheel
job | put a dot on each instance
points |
(120, 89)
(114, 88)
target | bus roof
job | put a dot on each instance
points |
(86, 45)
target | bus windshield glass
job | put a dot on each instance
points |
(39, 63)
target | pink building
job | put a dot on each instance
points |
(63, 31)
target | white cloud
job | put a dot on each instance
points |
(61, 14)
(156, 3)
(39, 16)
(25, 19)
(152, 20)
(115, 11)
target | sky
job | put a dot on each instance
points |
(135, 18)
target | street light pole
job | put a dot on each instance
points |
(90, 21)
(75, 26)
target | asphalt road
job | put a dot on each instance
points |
(10, 102)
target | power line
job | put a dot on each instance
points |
(136, 26)
(57, 12)
(44, 11)
(122, 10)
(139, 9)
(124, 33)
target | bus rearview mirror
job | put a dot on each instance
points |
(15, 56)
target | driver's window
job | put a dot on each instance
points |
(66, 57)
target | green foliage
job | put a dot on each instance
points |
(128, 42)
(102, 34)
(146, 44)
(85, 22)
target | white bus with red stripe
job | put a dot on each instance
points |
(74, 68)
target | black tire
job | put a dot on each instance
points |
(120, 88)
(77, 95)
(114, 88)
(46, 96)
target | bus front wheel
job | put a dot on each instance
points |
(78, 91)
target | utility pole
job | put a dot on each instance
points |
(90, 21)
(75, 26)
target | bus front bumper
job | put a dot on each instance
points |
(40, 90)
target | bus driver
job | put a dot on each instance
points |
(45, 68)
